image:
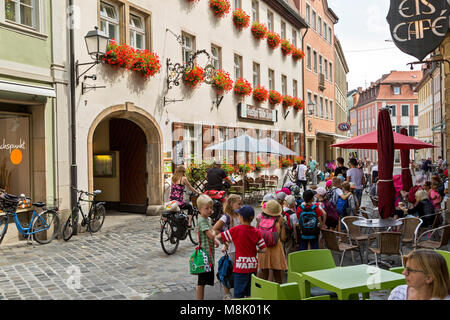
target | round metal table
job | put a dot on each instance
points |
(377, 223)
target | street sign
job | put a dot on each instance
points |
(418, 26)
(344, 126)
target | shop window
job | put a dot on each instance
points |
(15, 174)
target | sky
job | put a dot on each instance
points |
(362, 30)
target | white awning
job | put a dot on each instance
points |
(27, 89)
(331, 134)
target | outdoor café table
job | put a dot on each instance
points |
(352, 280)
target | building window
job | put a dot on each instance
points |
(405, 110)
(237, 4)
(15, 175)
(216, 56)
(392, 110)
(283, 84)
(331, 72)
(325, 33)
(189, 143)
(326, 69)
(294, 38)
(320, 64)
(283, 30)
(321, 107)
(315, 61)
(309, 101)
(109, 20)
(319, 25)
(396, 90)
(22, 12)
(271, 79)
(255, 11)
(187, 46)
(331, 110)
(326, 109)
(316, 107)
(416, 110)
(256, 74)
(237, 66)
(412, 131)
(314, 26)
(269, 20)
(137, 32)
(329, 35)
(294, 88)
(308, 14)
(308, 58)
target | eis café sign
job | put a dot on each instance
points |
(418, 26)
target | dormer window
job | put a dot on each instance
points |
(396, 90)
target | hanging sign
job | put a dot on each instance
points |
(344, 126)
(418, 26)
(246, 111)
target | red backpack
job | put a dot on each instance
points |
(267, 227)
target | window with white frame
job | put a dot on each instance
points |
(322, 114)
(331, 110)
(256, 74)
(270, 20)
(271, 79)
(189, 143)
(308, 14)
(23, 12)
(396, 90)
(320, 64)
(283, 84)
(237, 66)
(137, 32)
(222, 137)
(319, 25)
(255, 10)
(188, 46)
(294, 88)
(330, 38)
(216, 56)
(316, 107)
(109, 20)
(308, 58)
(283, 30)
(237, 4)
(331, 72)
(294, 38)
(315, 61)
(326, 68)
(314, 25)
(325, 33)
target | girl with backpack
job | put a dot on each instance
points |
(228, 220)
(271, 226)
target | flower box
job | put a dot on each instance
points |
(241, 20)
(285, 163)
(298, 104)
(222, 81)
(273, 40)
(288, 101)
(259, 30)
(297, 54)
(146, 63)
(286, 47)
(242, 87)
(260, 94)
(220, 7)
(118, 55)
(275, 97)
(193, 77)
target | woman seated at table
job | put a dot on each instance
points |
(422, 207)
(426, 276)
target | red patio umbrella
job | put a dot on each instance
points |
(386, 191)
(404, 159)
(370, 141)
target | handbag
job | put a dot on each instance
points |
(199, 261)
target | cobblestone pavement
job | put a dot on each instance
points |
(120, 262)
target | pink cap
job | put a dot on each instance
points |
(329, 183)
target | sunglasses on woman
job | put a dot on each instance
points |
(409, 270)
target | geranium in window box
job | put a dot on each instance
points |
(298, 104)
(119, 55)
(222, 81)
(273, 40)
(288, 101)
(286, 162)
(259, 30)
(220, 7)
(228, 168)
(146, 63)
(260, 94)
(286, 47)
(275, 97)
(241, 20)
(193, 77)
(242, 87)
(247, 167)
(260, 164)
(297, 54)
(298, 159)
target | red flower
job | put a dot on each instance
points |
(298, 104)
(220, 7)
(259, 30)
(273, 40)
(297, 54)
(275, 97)
(242, 87)
(288, 101)
(240, 19)
(146, 62)
(222, 81)
(260, 94)
(193, 77)
(286, 47)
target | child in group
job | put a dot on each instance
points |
(427, 186)
(434, 195)
(338, 198)
(228, 220)
(310, 211)
(248, 242)
(266, 198)
(206, 242)
(290, 218)
(353, 205)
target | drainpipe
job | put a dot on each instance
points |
(304, 94)
(73, 164)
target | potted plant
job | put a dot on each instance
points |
(220, 7)
(194, 76)
(286, 47)
(146, 63)
(286, 162)
(241, 20)
(222, 81)
(288, 101)
(260, 164)
(228, 168)
(259, 31)
(297, 54)
(273, 40)
(260, 94)
(118, 55)
(246, 167)
(298, 104)
(275, 97)
(242, 87)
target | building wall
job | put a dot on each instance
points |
(425, 118)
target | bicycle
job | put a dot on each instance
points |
(174, 227)
(93, 220)
(43, 227)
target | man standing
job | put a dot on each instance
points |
(356, 175)
(341, 168)
(427, 168)
(301, 177)
(215, 176)
(312, 167)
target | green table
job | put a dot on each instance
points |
(349, 281)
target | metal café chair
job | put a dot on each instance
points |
(409, 229)
(389, 243)
(443, 231)
(341, 244)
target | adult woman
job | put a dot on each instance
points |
(179, 181)
(356, 175)
(427, 277)
(422, 207)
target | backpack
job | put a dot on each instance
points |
(225, 271)
(341, 206)
(331, 195)
(308, 222)
(332, 214)
(289, 229)
(442, 188)
(268, 229)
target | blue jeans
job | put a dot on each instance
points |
(358, 194)
(242, 284)
(303, 243)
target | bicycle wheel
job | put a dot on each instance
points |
(70, 225)
(169, 242)
(193, 234)
(46, 227)
(3, 227)
(96, 218)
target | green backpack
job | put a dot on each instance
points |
(199, 261)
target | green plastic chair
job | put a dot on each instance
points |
(446, 256)
(318, 298)
(269, 290)
(397, 270)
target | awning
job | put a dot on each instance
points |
(27, 89)
(331, 134)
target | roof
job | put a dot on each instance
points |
(403, 77)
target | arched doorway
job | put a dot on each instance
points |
(125, 145)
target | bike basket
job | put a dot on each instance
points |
(9, 203)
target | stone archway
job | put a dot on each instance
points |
(154, 162)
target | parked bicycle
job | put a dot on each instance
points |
(42, 227)
(174, 227)
(94, 218)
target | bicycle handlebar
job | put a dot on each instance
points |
(96, 192)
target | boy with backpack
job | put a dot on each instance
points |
(247, 242)
(311, 218)
(290, 218)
